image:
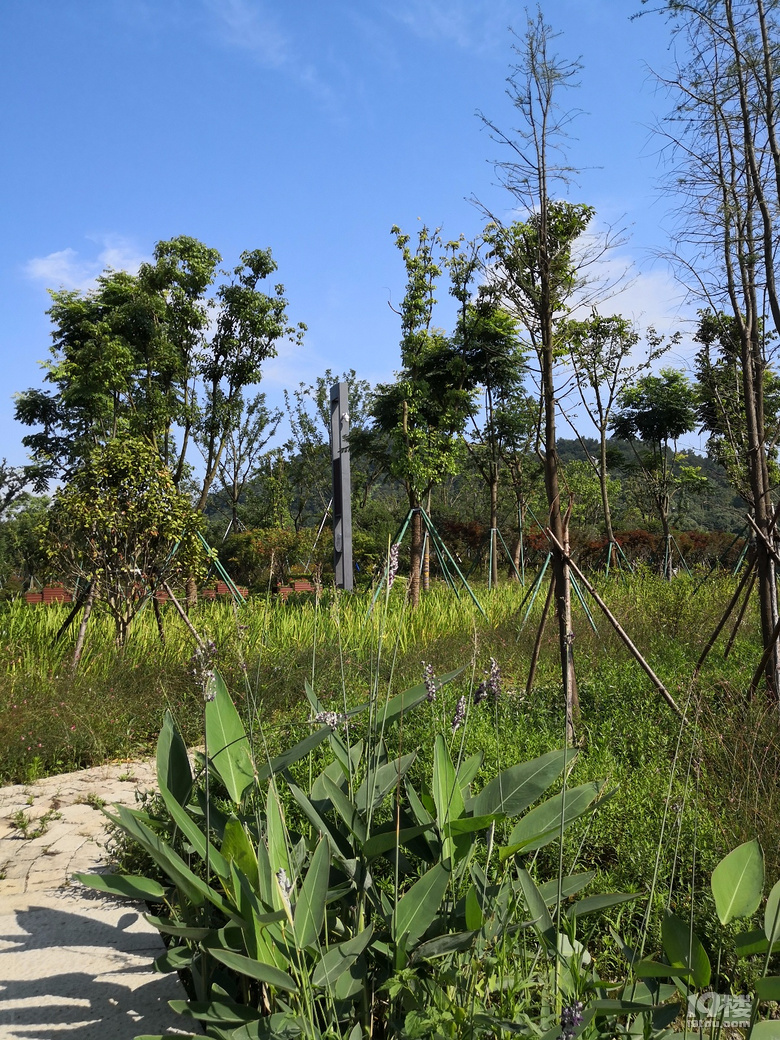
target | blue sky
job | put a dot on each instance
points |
(311, 128)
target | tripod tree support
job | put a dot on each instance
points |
(617, 627)
(445, 557)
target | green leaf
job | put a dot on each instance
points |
(594, 904)
(276, 834)
(227, 742)
(738, 882)
(768, 987)
(168, 927)
(193, 833)
(749, 943)
(447, 796)
(417, 908)
(469, 768)
(650, 969)
(684, 949)
(125, 885)
(407, 700)
(536, 906)
(542, 825)
(452, 942)
(255, 970)
(513, 790)
(237, 848)
(380, 781)
(474, 916)
(218, 1012)
(345, 808)
(339, 958)
(570, 885)
(768, 1029)
(382, 841)
(293, 755)
(173, 765)
(310, 907)
(772, 915)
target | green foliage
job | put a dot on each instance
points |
(121, 525)
(357, 900)
(721, 404)
(142, 354)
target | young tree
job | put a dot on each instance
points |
(122, 529)
(653, 414)
(308, 451)
(488, 339)
(721, 408)
(418, 420)
(599, 350)
(243, 450)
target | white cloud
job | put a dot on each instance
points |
(66, 269)
(470, 24)
(248, 25)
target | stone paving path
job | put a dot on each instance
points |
(73, 963)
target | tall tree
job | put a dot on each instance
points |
(725, 134)
(150, 355)
(539, 273)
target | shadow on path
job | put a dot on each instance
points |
(72, 965)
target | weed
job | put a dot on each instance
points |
(31, 829)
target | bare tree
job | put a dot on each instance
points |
(724, 134)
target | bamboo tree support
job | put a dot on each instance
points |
(775, 635)
(494, 534)
(442, 553)
(726, 615)
(740, 616)
(533, 591)
(87, 602)
(183, 615)
(538, 641)
(632, 649)
(618, 550)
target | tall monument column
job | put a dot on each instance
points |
(342, 486)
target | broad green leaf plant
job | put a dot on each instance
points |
(359, 902)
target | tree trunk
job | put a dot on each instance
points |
(415, 560)
(558, 525)
(79, 649)
(604, 493)
(493, 526)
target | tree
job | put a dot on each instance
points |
(488, 339)
(724, 133)
(417, 421)
(122, 529)
(13, 481)
(656, 411)
(151, 356)
(535, 266)
(243, 451)
(599, 349)
(721, 408)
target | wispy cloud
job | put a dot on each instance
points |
(470, 24)
(67, 269)
(251, 26)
